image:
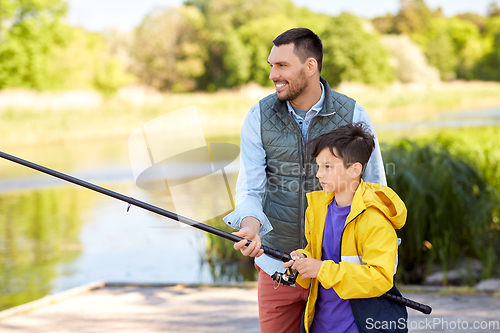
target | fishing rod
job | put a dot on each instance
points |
(282, 278)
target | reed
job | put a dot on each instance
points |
(224, 262)
(452, 203)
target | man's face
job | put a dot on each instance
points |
(287, 72)
(333, 176)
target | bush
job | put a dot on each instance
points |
(451, 209)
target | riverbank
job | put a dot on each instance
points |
(224, 308)
(28, 117)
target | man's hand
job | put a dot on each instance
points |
(250, 232)
(307, 267)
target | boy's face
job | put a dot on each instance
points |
(332, 174)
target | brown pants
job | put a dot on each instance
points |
(281, 309)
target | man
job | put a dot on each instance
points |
(275, 173)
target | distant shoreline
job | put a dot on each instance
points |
(33, 118)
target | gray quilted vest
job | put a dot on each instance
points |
(288, 167)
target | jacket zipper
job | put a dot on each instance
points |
(342, 236)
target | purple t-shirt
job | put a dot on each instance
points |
(333, 314)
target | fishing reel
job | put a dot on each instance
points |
(287, 279)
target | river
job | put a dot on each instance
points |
(55, 235)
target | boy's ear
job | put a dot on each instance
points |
(355, 170)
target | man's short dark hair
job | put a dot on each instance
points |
(306, 44)
(352, 142)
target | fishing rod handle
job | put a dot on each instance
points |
(280, 255)
(276, 254)
(409, 303)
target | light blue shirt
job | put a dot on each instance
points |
(252, 179)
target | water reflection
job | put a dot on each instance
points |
(58, 237)
(39, 231)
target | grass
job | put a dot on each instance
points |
(42, 120)
(462, 290)
(220, 114)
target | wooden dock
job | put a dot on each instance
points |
(123, 308)
(139, 308)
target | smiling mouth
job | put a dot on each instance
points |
(279, 86)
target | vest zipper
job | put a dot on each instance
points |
(303, 241)
(302, 172)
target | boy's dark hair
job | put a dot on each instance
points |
(307, 44)
(352, 142)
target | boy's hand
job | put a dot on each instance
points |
(295, 256)
(249, 231)
(307, 267)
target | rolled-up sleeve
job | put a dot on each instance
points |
(375, 172)
(252, 178)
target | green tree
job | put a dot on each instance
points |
(488, 67)
(88, 61)
(353, 54)
(170, 49)
(28, 30)
(384, 24)
(476, 19)
(229, 42)
(257, 36)
(111, 63)
(467, 46)
(223, 46)
(452, 45)
(438, 47)
(493, 9)
(240, 38)
(413, 17)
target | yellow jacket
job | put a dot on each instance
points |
(368, 245)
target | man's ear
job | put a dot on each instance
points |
(355, 170)
(311, 66)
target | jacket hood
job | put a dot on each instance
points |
(385, 200)
(371, 195)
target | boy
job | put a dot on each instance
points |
(352, 246)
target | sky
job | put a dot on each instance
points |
(96, 15)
